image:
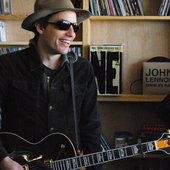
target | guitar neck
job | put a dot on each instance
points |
(104, 156)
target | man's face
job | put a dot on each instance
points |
(53, 39)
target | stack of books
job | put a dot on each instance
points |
(116, 7)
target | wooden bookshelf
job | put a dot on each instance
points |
(130, 98)
(150, 18)
(143, 37)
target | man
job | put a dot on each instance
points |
(35, 83)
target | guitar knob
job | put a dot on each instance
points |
(62, 146)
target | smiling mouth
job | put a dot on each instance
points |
(66, 41)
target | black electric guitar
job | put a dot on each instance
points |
(56, 152)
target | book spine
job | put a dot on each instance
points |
(92, 7)
(2, 32)
(98, 8)
(122, 8)
(164, 8)
(117, 7)
(107, 7)
(130, 7)
(160, 11)
(135, 7)
(167, 9)
(103, 7)
(139, 3)
(113, 7)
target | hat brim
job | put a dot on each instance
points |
(29, 21)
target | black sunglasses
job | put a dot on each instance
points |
(65, 25)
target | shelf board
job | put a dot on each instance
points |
(145, 18)
(130, 98)
(21, 17)
(25, 43)
(12, 17)
(14, 43)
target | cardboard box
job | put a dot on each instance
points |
(156, 78)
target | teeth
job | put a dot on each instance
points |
(66, 41)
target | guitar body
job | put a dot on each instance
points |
(53, 147)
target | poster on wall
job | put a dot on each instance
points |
(107, 62)
(156, 78)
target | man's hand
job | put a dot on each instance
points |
(8, 164)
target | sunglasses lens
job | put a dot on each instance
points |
(75, 27)
(64, 25)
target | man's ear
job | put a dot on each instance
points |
(39, 27)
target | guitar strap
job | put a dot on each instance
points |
(72, 59)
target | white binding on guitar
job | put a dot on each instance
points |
(57, 152)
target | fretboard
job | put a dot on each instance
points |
(103, 157)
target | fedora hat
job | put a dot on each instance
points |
(43, 8)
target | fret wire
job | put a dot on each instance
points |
(102, 156)
(85, 161)
(105, 156)
(53, 165)
(79, 162)
(95, 158)
(147, 144)
(88, 161)
(121, 152)
(110, 155)
(71, 163)
(116, 154)
(91, 159)
(63, 163)
(150, 146)
(99, 157)
(129, 151)
(147, 147)
(56, 165)
(136, 149)
(133, 151)
(144, 147)
(113, 154)
(125, 151)
(67, 164)
(82, 161)
(74, 163)
(60, 165)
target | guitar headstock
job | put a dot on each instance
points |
(163, 143)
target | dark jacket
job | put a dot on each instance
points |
(32, 106)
